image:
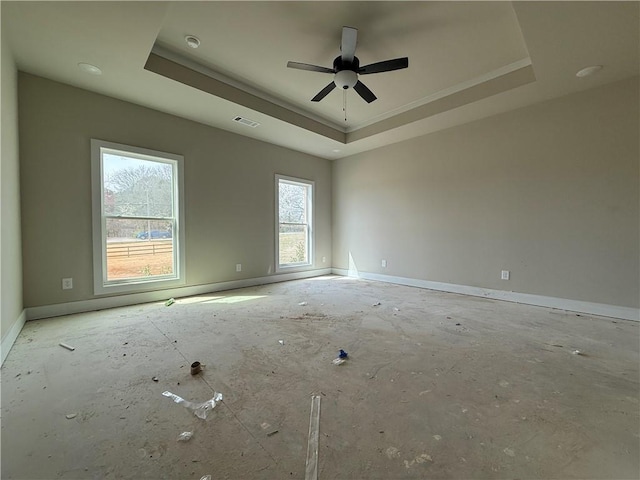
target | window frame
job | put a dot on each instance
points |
(310, 184)
(101, 286)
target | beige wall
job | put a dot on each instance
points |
(549, 192)
(229, 189)
(11, 256)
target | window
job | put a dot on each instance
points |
(138, 240)
(294, 206)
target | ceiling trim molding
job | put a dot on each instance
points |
(188, 72)
(203, 82)
(499, 72)
(210, 72)
(477, 91)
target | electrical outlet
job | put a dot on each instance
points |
(324, 259)
(384, 264)
(67, 283)
(238, 267)
(505, 275)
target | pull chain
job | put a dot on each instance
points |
(344, 104)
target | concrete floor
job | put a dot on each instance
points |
(437, 385)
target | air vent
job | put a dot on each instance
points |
(246, 121)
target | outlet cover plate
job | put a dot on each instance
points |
(505, 275)
(67, 283)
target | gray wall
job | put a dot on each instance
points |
(10, 250)
(549, 192)
(229, 189)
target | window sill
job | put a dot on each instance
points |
(298, 267)
(138, 286)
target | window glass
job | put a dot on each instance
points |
(137, 228)
(294, 242)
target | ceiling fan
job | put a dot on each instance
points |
(346, 68)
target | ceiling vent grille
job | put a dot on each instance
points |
(246, 121)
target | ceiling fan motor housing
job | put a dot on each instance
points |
(346, 76)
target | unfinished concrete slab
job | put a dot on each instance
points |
(436, 385)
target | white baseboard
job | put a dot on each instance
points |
(591, 308)
(10, 338)
(56, 310)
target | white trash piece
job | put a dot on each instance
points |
(200, 410)
(185, 436)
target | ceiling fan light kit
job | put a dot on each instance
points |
(346, 68)
(346, 79)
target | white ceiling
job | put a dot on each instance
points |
(467, 60)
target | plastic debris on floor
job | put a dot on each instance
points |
(200, 410)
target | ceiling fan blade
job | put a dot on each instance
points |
(309, 67)
(348, 44)
(385, 66)
(324, 92)
(366, 94)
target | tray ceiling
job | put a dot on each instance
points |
(467, 60)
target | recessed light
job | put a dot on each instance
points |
(193, 42)
(585, 72)
(88, 68)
